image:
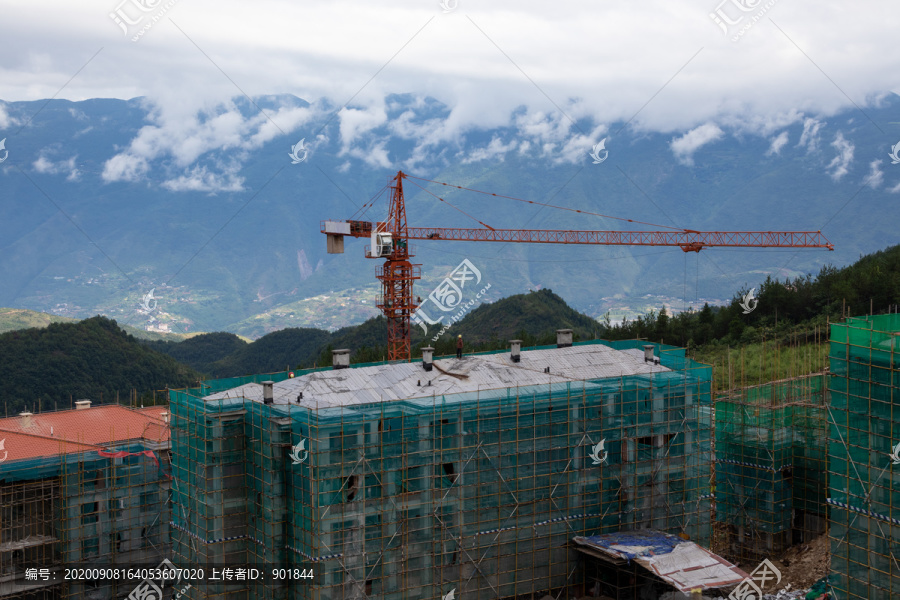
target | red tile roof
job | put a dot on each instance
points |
(16, 446)
(154, 411)
(95, 427)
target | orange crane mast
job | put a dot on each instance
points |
(389, 240)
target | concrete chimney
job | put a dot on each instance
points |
(515, 349)
(428, 358)
(563, 338)
(268, 392)
(340, 359)
(26, 418)
(648, 353)
(82, 404)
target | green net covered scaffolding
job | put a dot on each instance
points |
(771, 468)
(422, 494)
(81, 507)
(864, 478)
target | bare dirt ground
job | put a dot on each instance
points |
(805, 564)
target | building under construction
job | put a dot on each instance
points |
(864, 457)
(771, 468)
(418, 479)
(81, 488)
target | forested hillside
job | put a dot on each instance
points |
(533, 317)
(785, 334)
(48, 368)
(869, 286)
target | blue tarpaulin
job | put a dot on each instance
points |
(680, 563)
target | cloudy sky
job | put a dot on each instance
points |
(663, 65)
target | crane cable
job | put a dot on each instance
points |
(368, 204)
(450, 205)
(584, 212)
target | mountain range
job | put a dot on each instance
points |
(206, 224)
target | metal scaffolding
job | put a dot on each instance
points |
(864, 439)
(82, 506)
(478, 492)
(771, 468)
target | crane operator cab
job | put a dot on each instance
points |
(382, 244)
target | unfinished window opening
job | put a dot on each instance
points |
(350, 485)
(368, 587)
(787, 472)
(449, 472)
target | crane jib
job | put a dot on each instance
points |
(390, 242)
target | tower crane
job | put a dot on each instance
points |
(389, 240)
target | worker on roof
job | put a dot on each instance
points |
(459, 345)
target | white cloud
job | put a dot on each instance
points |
(375, 155)
(199, 179)
(607, 60)
(356, 122)
(5, 120)
(684, 147)
(46, 166)
(577, 148)
(876, 176)
(895, 189)
(841, 162)
(496, 148)
(124, 167)
(809, 139)
(542, 128)
(184, 135)
(42, 165)
(778, 143)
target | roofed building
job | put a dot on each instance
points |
(415, 480)
(78, 488)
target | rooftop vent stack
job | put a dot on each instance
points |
(165, 417)
(648, 353)
(515, 350)
(563, 338)
(340, 359)
(82, 404)
(26, 418)
(268, 392)
(428, 358)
